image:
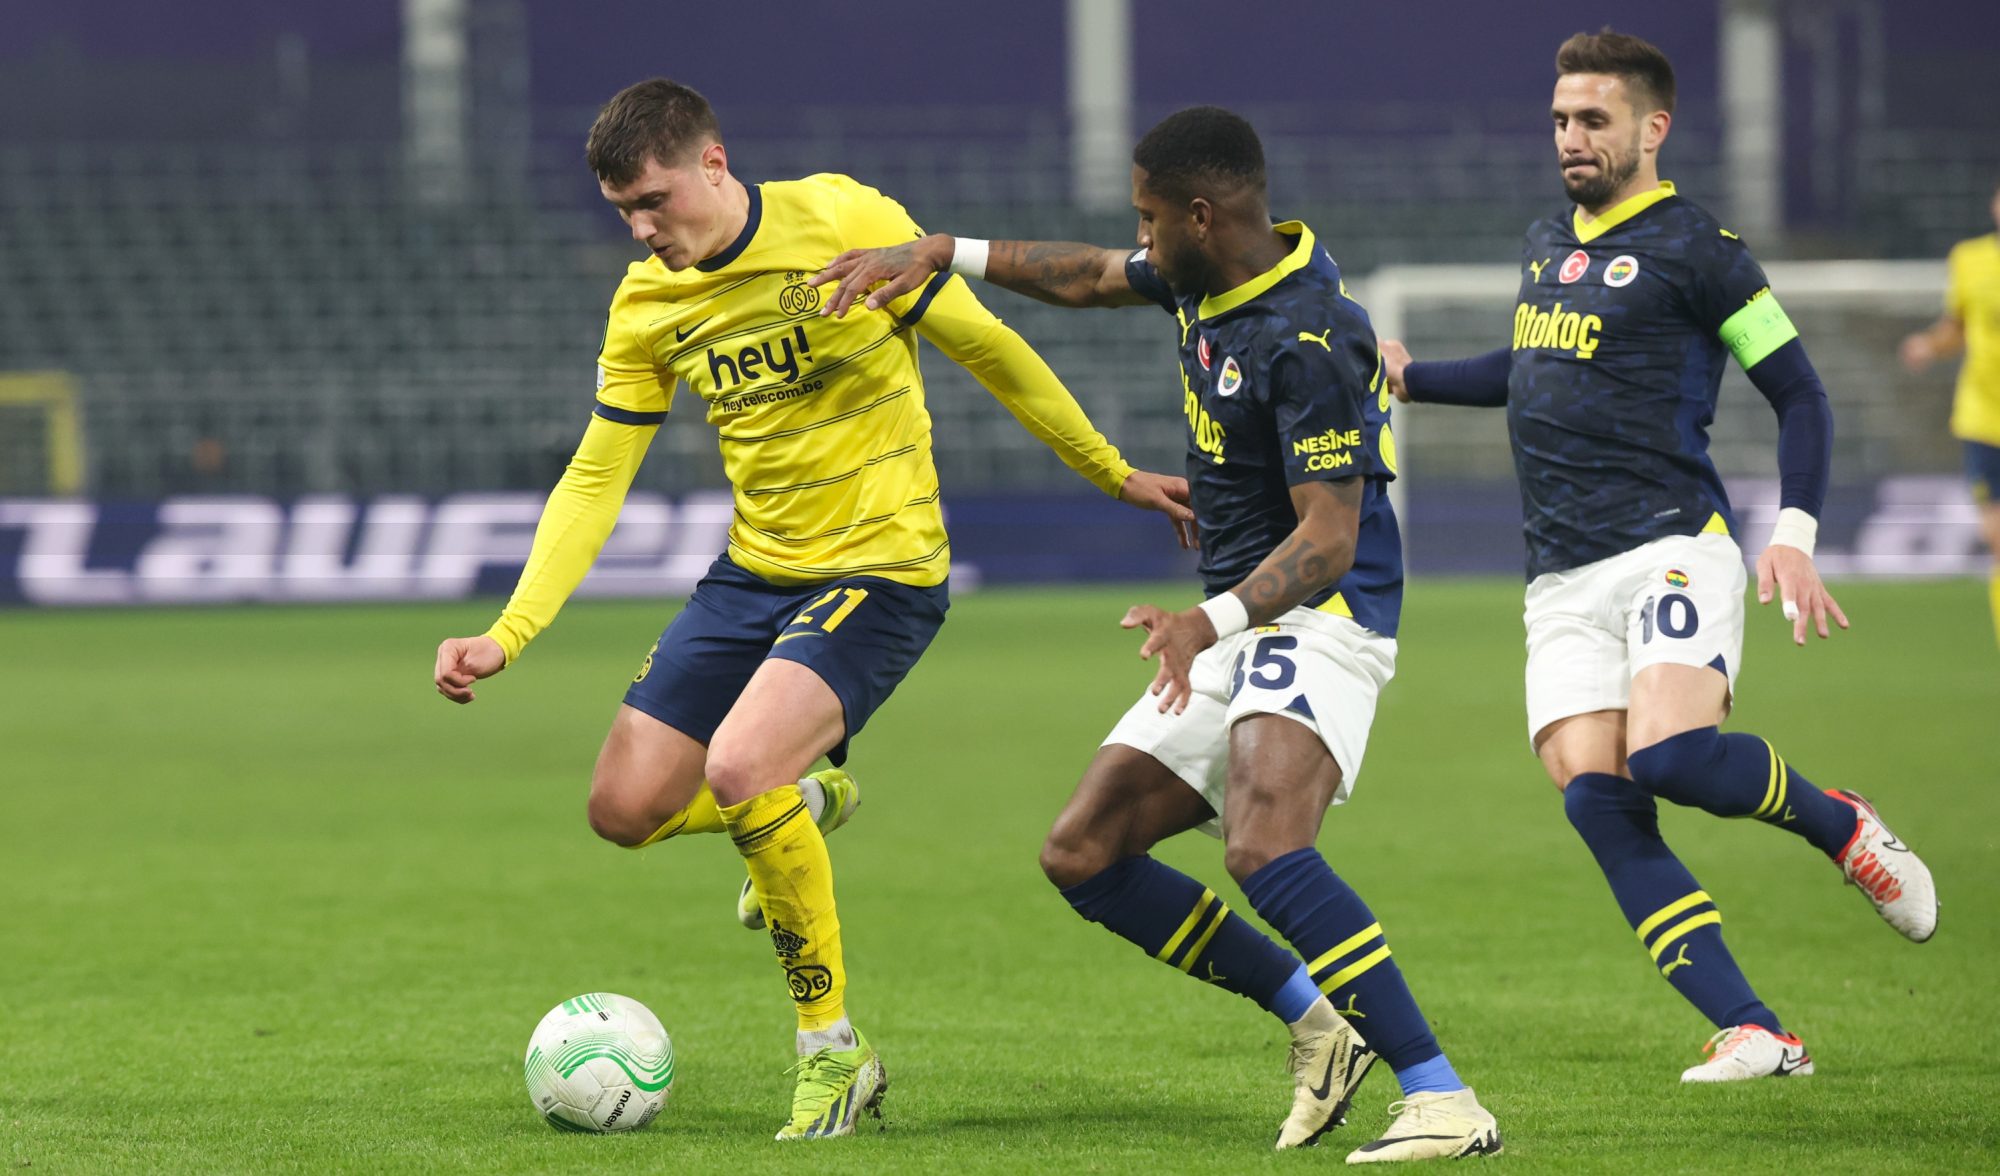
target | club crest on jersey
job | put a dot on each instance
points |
(1622, 270)
(1203, 352)
(1573, 266)
(1231, 379)
(1677, 578)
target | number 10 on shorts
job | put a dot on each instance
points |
(1676, 617)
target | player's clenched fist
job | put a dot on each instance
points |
(461, 661)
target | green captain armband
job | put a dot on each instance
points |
(1757, 330)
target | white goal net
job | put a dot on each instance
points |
(1900, 504)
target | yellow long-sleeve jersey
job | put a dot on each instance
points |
(824, 435)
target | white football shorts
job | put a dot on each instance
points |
(1318, 669)
(1674, 601)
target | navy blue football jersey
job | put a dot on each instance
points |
(1618, 351)
(1282, 384)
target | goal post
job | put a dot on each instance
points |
(1851, 316)
(41, 434)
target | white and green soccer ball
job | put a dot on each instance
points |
(600, 1062)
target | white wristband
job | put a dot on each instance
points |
(968, 256)
(1226, 612)
(1795, 528)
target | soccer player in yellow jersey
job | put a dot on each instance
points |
(1971, 323)
(835, 576)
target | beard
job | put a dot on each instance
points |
(1596, 190)
(1184, 274)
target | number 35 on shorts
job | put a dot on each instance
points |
(1265, 665)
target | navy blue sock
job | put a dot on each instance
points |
(1675, 920)
(1181, 923)
(1742, 776)
(1327, 923)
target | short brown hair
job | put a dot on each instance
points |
(1638, 63)
(656, 119)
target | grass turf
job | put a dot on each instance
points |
(272, 905)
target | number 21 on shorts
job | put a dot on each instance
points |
(810, 616)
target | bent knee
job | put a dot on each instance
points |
(1243, 860)
(1068, 860)
(617, 820)
(1684, 758)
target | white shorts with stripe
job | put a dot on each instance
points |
(1674, 601)
(1316, 668)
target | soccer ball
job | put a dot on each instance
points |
(599, 1062)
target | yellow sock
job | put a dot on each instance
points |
(700, 816)
(788, 864)
(1993, 592)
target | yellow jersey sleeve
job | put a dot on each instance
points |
(970, 335)
(630, 380)
(577, 520)
(866, 219)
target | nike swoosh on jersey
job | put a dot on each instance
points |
(789, 636)
(680, 335)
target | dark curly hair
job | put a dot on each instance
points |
(1202, 148)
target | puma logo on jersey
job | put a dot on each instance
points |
(1535, 267)
(1214, 977)
(1350, 1012)
(1319, 338)
(1679, 961)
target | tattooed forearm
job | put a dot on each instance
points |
(1061, 272)
(1319, 551)
(1296, 570)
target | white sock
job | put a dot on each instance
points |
(1319, 1017)
(839, 1035)
(815, 797)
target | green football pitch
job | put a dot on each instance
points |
(273, 905)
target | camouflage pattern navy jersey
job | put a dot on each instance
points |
(1282, 385)
(1620, 335)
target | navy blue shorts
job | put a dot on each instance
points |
(860, 635)
(1982, 466)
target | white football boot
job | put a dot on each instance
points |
(1742, 1052)
(1433, 1127)
(1895, 880)
(1328, 1061)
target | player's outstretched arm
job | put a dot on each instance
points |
(1062, 273)
(575, 522)
(1941, 340)
(1003, 363)
(1478, 382)
(1318, 552)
